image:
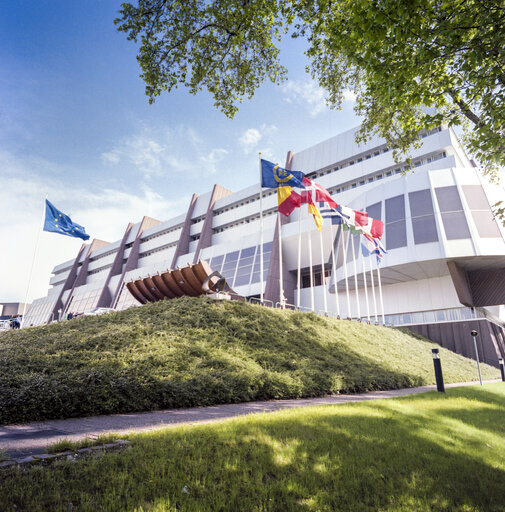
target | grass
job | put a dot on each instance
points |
(429, 452)
(64, 444)
(193, 352)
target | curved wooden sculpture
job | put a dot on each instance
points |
(193, 280)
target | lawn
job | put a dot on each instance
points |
(426, 452)
(192, 352)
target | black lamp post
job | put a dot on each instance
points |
(438, 370)
(502, 368)
(474, 334)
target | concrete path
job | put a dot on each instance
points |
(31, 439)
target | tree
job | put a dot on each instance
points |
(412, 65)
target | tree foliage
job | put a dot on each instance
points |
(412, 65)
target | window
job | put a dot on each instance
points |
(481, 211)
(423, 218)
(396, 233)
(453, 216)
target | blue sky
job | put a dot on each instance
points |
(75, 123)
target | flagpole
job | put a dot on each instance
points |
(373, 290)
(366, 288)
(281, 287)
(344, 254)
(325, 299)
(334, 268)
(310, 264)
(380, 294)
(355, 275)
(33, 263)
(261, 231)
(299, 276)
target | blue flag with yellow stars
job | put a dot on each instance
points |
(273, 176)
(58, 222)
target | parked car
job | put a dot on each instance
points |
(97, 311)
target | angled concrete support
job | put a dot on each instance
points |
(184, 239)
(133, 257)
(82, 273)
(105, 300)
(218, 192)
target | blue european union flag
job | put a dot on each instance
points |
(58, 222)
(273, 176)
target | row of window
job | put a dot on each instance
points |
(386, 174)
(157, 249)
(161, 233)
(245, 220)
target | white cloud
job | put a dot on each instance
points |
(249, 139)
(212, 159)
(311, 94)
(104, 213)
(162, 152)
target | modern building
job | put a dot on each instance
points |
(443, 274)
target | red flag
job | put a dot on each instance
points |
(320, 195)
(288, 200)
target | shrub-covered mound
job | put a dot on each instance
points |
(189, 352)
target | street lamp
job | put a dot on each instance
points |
(474, 334)
(502, 368)
(438, 370)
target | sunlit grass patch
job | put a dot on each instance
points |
(420, 453)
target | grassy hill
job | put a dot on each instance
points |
(189, 352)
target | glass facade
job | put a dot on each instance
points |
(453, 216)
(241, 268)
(126, 299)
(423, 217)
(40, 312)
(83, 301)
(429, 317)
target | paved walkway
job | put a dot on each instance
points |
(32, 438)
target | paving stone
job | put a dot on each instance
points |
(26, 460)
(84, 450)
(45, 456)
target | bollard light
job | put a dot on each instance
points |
(438, 370)
(474, 334)
(502, 368)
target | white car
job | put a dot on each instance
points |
(97, 311)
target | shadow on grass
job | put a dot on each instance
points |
(350, 458)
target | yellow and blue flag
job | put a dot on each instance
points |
(273, 176)
(58, 222)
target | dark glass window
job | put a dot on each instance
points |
(374, 211)
(455, 225)
(453, 216)
(448, 199)
(396, 232)
(423, 219)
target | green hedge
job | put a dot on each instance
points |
(192, 352)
